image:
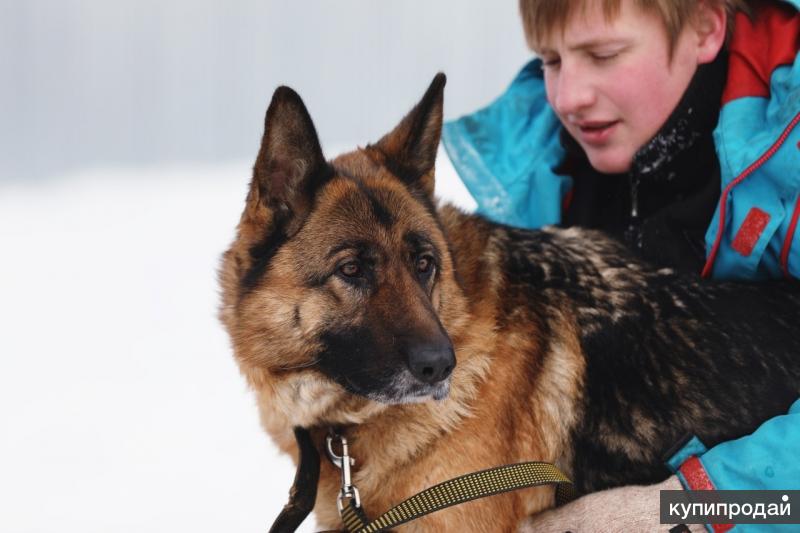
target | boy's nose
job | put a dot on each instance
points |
(574, 93)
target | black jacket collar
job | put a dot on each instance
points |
(666, 200)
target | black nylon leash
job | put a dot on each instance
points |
(303, 493)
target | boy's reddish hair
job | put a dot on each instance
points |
(541, 17)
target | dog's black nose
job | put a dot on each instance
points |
(431, 363)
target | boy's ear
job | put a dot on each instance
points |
(409, 150)
(289, 167)
(711, 26)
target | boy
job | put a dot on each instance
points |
(619, 126)
(661, 199)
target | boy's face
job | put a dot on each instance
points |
(612, 83)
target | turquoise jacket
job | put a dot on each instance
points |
(768, 459)
(506, 154)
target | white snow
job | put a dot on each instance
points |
(121, 408)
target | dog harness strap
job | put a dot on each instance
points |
(463, 489)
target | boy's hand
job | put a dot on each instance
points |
(634, 508)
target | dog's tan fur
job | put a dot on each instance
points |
(402, 449)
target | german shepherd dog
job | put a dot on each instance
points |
(441, 343)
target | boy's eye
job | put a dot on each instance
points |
(604, 56)
(550, 63)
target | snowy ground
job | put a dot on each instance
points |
(121, 408)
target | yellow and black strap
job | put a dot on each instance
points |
(462, 489)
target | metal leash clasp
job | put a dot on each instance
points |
(344, 462)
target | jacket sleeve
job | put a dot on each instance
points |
(505, 154)
(768, 459)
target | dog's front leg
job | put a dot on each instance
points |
(633, 508)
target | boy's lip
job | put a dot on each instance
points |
(595, 132)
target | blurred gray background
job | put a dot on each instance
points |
(110, 83)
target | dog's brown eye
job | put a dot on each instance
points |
(351, 269)
(424, 264)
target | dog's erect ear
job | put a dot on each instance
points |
(410, 149)
(290, 165)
